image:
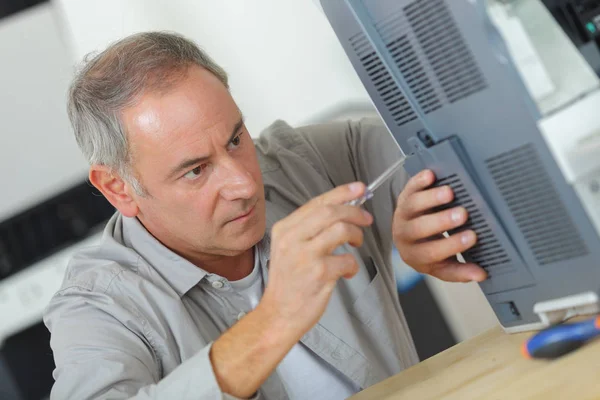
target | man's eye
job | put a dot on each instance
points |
(195, 173)
(235, 142)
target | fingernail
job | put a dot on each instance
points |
(457, 215)
(366, 213)
(425, 178)
(443, 194)
(479, 278)
(476, 277)
(356, 187)
(466, 237)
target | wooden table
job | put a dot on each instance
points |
(490, 366)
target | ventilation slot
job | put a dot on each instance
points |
(390, 94)
(408, 63)
(445, 48)
(534, 202)
(488, 251)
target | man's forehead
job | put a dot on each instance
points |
(191, 111)
(147, 120)
(171, 156)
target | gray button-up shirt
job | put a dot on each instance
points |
(135, 320)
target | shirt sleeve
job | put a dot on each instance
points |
(360, 151)
(98, 357)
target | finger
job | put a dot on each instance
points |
(336, 235)
(324, 217)
(422, 180)
(342, 265)
(454, 271)
(435, 251)
(338, 196)
(431, 224)
(422, 201)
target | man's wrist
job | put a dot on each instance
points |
(245, 355)
(280, 331)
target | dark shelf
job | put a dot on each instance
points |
(51, 226)
(10, 7)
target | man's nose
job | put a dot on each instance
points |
(236, 182)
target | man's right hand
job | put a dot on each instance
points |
(303, 270)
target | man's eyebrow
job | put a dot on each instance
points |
(236, 128)
(185, 164)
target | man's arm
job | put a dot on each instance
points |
(97, 357)
(302, 275)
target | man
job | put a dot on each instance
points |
(219, 276)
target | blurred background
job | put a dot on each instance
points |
(284, 62)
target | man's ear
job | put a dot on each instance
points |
(114, 189)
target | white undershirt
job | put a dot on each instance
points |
(304, 374)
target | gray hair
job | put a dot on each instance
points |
(114, 79)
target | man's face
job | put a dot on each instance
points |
(193, 155)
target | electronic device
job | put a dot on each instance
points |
(496, 99)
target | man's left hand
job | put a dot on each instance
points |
(417, 231)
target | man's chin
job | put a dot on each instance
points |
(245, 240)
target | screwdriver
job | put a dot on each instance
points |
(388, 173)
(561, 339)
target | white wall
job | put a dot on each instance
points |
(38, 155)
(283, 58)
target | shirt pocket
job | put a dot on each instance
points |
(374, 301)
(365, 304)
(370, 304)
(375, 311)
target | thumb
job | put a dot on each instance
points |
(453, 271)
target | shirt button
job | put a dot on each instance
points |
(241, 315)
(217, 284)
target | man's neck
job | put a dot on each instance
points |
(232, 268)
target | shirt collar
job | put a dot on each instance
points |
(264, 249)
(180, 274)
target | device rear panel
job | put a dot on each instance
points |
(448, 55)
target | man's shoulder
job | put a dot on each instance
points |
(91, 282)
(275, 143)
(94, 269)
(280, 143)
(315, 141)
(105, 263)
(102, 284)
(280, 134)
